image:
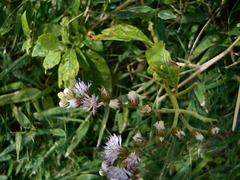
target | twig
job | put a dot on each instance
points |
(236, 111)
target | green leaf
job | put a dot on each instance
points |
(20, 96)
(68, 68)
(49, 41)
(39, 50)
(99, 72)
(123, 32)
(51, 60)
(82, 60)
(166, 14)
(25, 26)
(18, 141)
(94, 44)
(80, 133)
(21, 117)
(200, 91)
(159, 60)
(144, 12)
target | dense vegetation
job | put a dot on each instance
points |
(123, 46)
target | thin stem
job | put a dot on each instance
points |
(150, 28)
(185, 91)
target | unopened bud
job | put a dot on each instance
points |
(133, 98)
(105, 94)
(160, 128)
(64, 104)
(139, 140)
(69, 94)
(146, 109)
(177, 132)
(115, 104)
(61, 95)
(197, 135)
(213, 131)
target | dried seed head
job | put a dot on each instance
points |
(177, 132)
(197, 135)
(115, 104)
(133, 98)
(146, 109)
(213, 131)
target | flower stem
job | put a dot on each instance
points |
(150, 28)
(185, 91)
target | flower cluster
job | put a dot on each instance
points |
(119, 163)
(79, 95)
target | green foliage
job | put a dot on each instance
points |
(45, 45)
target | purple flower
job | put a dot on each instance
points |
(80, 87)
(118, 173)
(91, 103)
(112, 148)
(132, 160)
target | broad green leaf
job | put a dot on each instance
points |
(82, 60)
(80, 133)
(49, 41)
(68, 68)
(166, 14)
(55, 132)
(51, 60)
(159, 60)
(94, 44)
(50, 28)
(144, 12)
(27, 45)
(123, 32)
(20, 96)
(64, 30)
(25, 26)
(21, 117)
(200, 93)
(39, 50)
(11, 87)
(99, 72)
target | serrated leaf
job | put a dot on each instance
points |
(21, 117)
(159, 60)
(49, 41)
(25, 26)
(68, 68)
(123, 32)
(51, 60)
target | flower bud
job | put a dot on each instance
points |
(133, 98)
(160, 128)
(69, 94)
(139, 140)
(146, 109)
(61, 95)
(197, 135)
(159, 139)
(177, 132)
(213, 131)
(64, 104)
(105, 94)
(115, 104)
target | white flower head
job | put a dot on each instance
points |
(115, 104)
(133, 98)
(180, 134)
(161, 139)
(138, 137)
(215, 130)
(199, 136)
(103, 170)
(160, 125)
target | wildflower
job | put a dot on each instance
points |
(80, 87)
(213, 131)
(197, 135)
(146, 109)
(160, 128)
(178, 133)
(140, 141)
(74, 103)
(115, 104)
(105, 94)
(132, 160)
(64, 104)
(69, 94)
(133, 98)
(91, 103)
(112, 148)
(118, 173)
(161, 139)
